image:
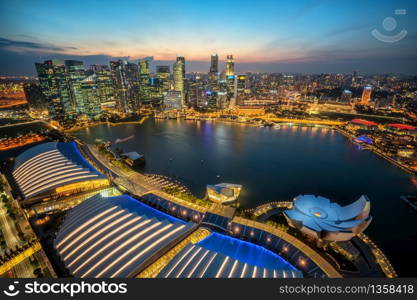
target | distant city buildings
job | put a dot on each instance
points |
(71, 90)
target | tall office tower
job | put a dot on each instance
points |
(240, 87)
(231, 88)
(120, 83)
(36, 100)
(230, 66)
(132, 78)
(144, 82)
(91, 97)
(195, 90)
(366, 95)
(214, 66)
(75, 74)
(104, 83)
(54, 87)
(213, 75)
(354, 77)
(179, 77)
(163, 75)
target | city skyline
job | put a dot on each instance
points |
(271, 37)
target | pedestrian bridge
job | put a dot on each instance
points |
(264, 211)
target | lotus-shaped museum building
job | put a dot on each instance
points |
(320, 218)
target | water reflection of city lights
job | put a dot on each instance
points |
(414, 180)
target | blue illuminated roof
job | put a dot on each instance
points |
(244, 251)
(133, 205)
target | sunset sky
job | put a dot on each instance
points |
(272, 36)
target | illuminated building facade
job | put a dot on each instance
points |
(120, 85)
(230, 66)
(132, 80)
(249, 110)
(91, 102)
(172, 100)
(366, 95)
(240, 88)
(35, 98)
(104, 83)
(163, 75)
(214, 67)
(54, 87)
(144, 82)
(179, 77)
(76, 73)
(223, 192)
(231, 89)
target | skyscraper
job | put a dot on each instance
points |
(241, 82)
(126, 81)
(214, 66)
(163, 74)
(54, 87)
(75, 74)
(36, 100)
(132, 78)
(366, 95)
(119, 82)
(91, 97)
(179, 77)
(104, 83)
(230, 66)
(144, 82)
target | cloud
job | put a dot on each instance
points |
(24, 45)
(348, 29)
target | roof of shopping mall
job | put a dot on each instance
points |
(47, 166)
(123, 237)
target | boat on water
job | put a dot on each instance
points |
(117, 141)
(410, 200)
